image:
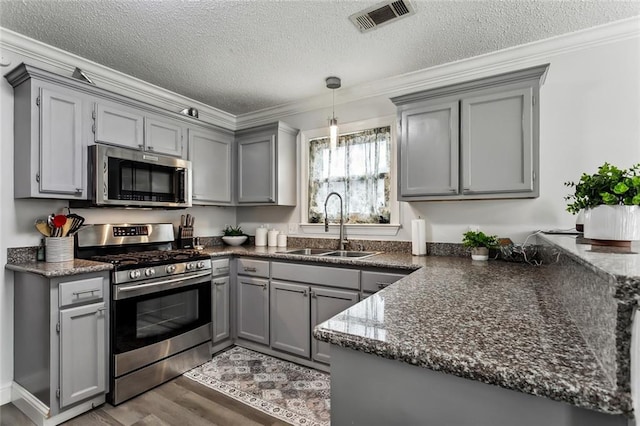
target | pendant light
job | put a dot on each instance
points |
(333, 83)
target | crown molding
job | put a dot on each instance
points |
(502, 61)
(498, 62)
(64, 63)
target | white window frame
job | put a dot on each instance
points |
(355, 229)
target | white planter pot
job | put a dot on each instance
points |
(615, 223)
(480, 253)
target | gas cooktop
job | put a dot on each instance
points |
(149, 258)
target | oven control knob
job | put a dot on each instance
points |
(171, 269)
(200, 265)
(149, 272)
(134, 274)
(190, 266)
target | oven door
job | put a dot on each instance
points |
(156, 319)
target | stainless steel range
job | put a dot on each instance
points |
(161, 304)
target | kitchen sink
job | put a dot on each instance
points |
(329, 252)
(308, 251)
(349, 253)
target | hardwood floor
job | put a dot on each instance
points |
(178, 402)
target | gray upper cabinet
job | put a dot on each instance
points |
(49, 135)
(118, 124)
(163, 135)
(472, 140)
(267, 165)
(211, 154)
(432, 136)
(511, 142)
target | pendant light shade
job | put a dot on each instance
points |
(333, 83)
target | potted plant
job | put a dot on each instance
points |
(479, 243)
(233, 235)
(610, 199)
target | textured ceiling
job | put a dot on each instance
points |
(243, 56)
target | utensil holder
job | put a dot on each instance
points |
(58, 249)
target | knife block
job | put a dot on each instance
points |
(185, 237)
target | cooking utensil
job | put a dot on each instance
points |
(58, 222)
(43, 227)
(76, 222)
(66, 227)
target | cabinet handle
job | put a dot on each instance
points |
(304, 293)
(312, 294)
(249, 269)
(100, 310)
(141, 147)
(264, 286)
(382, 285)
(149, 148)
(78, 190)
(223, 269)
(219, 282)
(78, 293)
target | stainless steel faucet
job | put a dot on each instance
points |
(343, 241)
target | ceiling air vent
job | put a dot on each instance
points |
(381, 13)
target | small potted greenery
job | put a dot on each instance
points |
(479, 243)
(233, 235)
(610, 199)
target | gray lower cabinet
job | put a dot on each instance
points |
(61, 344)
(82, 352)
(221, 303)
(253, 309)
(50, 137)
(290, 318)
(326, 303)
(210, 153)
(473, 140)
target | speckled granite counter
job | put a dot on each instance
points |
(60, 269)
(505, 324)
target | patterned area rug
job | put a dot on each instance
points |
(287, 391)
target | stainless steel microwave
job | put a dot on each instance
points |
(121, 177)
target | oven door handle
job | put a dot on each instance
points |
(141, 289)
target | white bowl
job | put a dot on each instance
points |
(234, 241)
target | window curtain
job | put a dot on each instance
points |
(358, 170)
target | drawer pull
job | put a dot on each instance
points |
(219, 282)
(382, 285)
(223, 269)
(250, 269)
(79, 293)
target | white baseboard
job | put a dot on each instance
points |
(5, 393)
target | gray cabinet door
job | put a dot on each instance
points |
(253, 309)
(290, 314)
(325, 303)
(118, 126)
(163, 136)
(210, 155)
(497, 142)
(428, 150)
(61, 146)
(257, 169)
(220, 304)
(82, 353)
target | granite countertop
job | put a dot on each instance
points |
(495, 322)
(60, 269)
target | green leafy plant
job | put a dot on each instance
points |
(230, 231)
(479, 239)
(610, 186)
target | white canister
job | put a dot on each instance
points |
(261, 237)
(282, 240)
(272, 238)
(58, 249)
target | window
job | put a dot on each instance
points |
(358, 169)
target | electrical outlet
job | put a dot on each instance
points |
(293, 228)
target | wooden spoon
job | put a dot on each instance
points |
(43, 227)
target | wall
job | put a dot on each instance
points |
(590, 104)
